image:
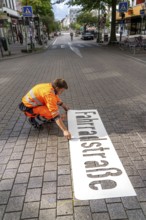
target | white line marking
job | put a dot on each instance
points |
(75, 50)
(54, 41)
(80, 45)
(97, 170)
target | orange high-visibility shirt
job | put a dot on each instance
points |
(43, 94)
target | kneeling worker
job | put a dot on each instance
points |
(41, 103)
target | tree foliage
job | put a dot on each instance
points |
(43, 9)
(86, 18)
(75, 26)
(88, 5)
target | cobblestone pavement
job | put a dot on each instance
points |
(15, 49)
(35, 170)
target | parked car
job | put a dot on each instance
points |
(87, 36)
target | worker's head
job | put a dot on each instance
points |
(60, 85)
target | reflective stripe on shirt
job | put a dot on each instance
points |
(34, 97)
(30, 102)
(55, 113)
(36, 103)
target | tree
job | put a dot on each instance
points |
(75, 26)
(86, 18)
(41, 7)
(43, 10)
(88, 5)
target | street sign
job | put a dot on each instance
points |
(123, 6)
(27, 11)
(142, 13)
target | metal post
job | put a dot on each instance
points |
(121, 31)
(141, 24)
(5, 35)
(122, 25)
(1, 48)
(98, 36)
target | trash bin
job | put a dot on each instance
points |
(106, 37)
(4, 43)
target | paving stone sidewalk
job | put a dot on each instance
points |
(35, 169)
(16, 52)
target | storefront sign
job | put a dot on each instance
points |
(97, 170)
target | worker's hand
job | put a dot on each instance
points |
(67, 134)
(66, 108)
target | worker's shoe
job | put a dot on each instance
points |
(33, 122)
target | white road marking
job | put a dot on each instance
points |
(80, 45)
(62, 46)
(54, 41)
(75, 50)
(97, 170)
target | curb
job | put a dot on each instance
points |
(13, 56)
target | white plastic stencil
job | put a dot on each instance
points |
(97, 170)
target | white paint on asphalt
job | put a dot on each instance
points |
(80, 45)
(54, 41)
(75, 50)
(62, 46)
(97, 170)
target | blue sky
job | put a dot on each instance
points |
(61, 10)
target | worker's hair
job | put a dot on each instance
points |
(60, 83)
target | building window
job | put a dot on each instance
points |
(6, 4)
(10, 6)
(13, 5)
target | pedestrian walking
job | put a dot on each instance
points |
(41, 105)
(20, 36)
(71, 36)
